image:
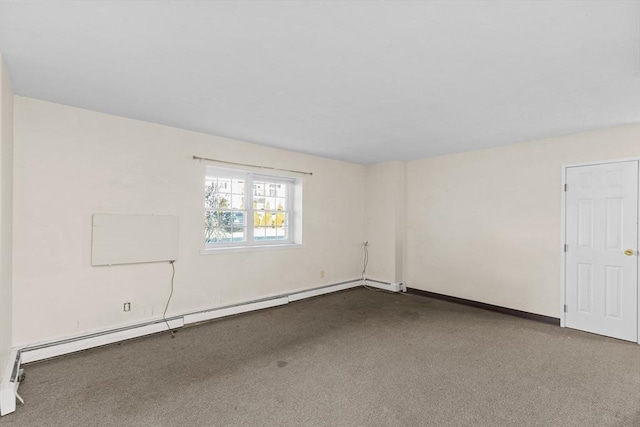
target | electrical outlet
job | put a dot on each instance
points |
(127, 306)
(321, 274)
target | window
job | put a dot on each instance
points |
(244, 209)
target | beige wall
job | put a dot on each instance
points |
(6, 214)
(71, 163)
(482, 225)
(485, 225)
(385, 220)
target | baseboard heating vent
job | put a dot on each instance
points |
(387, 286)
(58, 348)
(297, 296)
(233, 309)
(9, 384)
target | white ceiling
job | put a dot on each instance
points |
(351, 80)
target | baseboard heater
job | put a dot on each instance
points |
(34, 353)
(387, 286)
(9, 383)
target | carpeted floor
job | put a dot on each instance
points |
(354, 358)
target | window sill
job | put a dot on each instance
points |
(228, 249)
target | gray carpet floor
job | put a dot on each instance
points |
(354, 358)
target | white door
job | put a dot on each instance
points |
(602, 249)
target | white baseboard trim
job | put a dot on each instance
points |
(9, 383)
(34, 353)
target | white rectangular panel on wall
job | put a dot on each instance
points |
(132, 239)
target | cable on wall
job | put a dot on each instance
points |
(252, 166)
(365, 263)
(365, 247)
(164, 314)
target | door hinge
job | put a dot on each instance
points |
(565, 187)
(566, 247)
(566, 308)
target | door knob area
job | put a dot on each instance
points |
(628, 252)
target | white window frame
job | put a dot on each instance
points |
(293, 211)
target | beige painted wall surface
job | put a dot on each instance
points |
(6, 213)
(71, 163)
(384, 220)
(485, 225)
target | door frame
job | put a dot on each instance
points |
(563, 235)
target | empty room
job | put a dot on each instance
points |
(319, 213)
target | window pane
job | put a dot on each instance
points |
(237, 201)
(239, 219)
(258, 203)
(281, 225)
(259, 233)
(269, 203)
(268, 218)
(218, 226)
(224, 185)
(239, 233)
(281, 220)
(271, 225)
(209, 190)
(258, 219)
(210, 227)
(237, 186)
(215, 194)
(271, 190)
(258, 188)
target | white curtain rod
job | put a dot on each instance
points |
(251, 166)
